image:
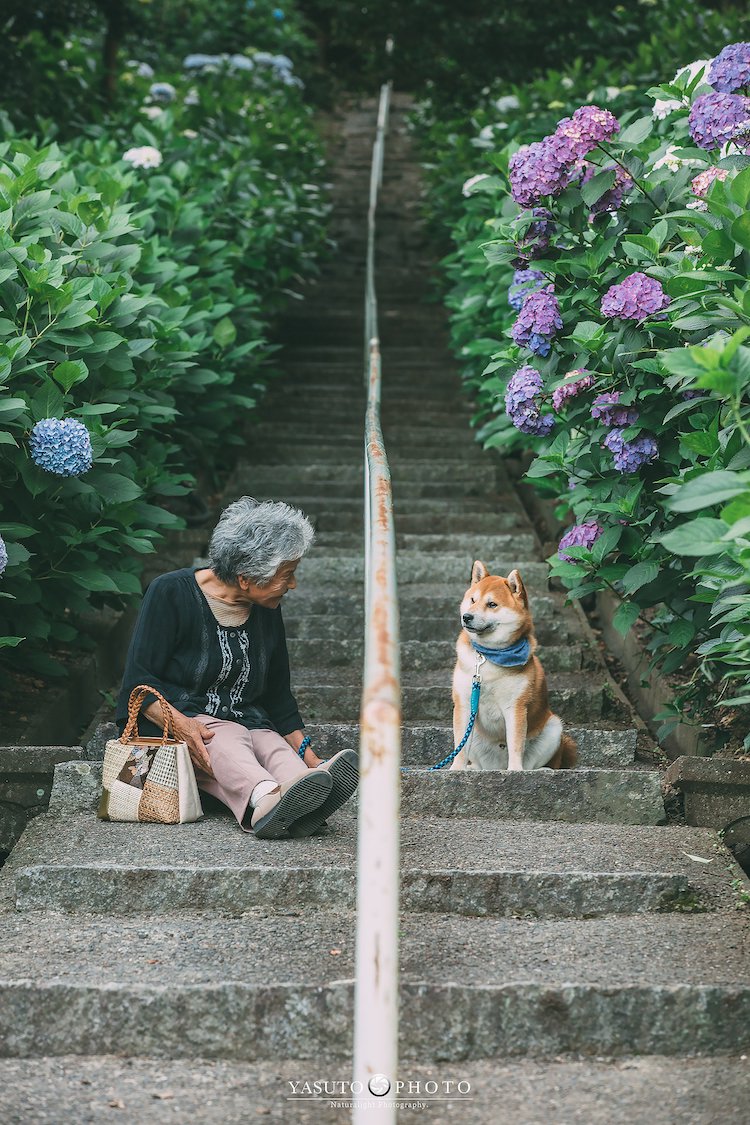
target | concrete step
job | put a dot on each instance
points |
(278, 451)
(575, 698)
(350, 487)
(439, 601)
(353, 541)
(416, 656)
(601, 796)
(341, 625)
(599, 1091)
(580, 796)
(481, 870)
(191, 984)
(417, 568)
(599, 746)
(444, 546)
(323, 472)
(414, 434)
(344, 407)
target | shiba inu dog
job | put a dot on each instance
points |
(514, 728)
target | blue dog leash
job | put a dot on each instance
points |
(476, 687)
(513, 656)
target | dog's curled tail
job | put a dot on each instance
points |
(568, 752)
(566, 755)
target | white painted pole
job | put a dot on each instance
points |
(376, 985)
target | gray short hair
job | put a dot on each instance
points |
(253, 538)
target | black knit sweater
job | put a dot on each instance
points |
(235, 672)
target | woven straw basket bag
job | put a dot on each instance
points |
(148, 779)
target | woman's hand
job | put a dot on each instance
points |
(310, 758)
(196, 735)
(191, 731)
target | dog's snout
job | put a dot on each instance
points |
(467, 618)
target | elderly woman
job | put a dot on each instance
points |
(211, 640)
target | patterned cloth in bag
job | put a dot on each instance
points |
(148, 779)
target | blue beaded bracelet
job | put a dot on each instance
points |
(304, 745)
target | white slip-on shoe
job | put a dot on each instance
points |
(296, 799)
(343, 769)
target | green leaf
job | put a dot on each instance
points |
(69, 373)
(696, 537)
(225, 333)
(639, 575)
(739, 188)
(10, 408)
(637, 132)
(740, 230)
(10, 642)
(625, 617)
(717, 244)
(597, 186)
(113, 487)
(706, 490)
(681, 632)
(94, 580)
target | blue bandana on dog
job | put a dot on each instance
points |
(511, 657)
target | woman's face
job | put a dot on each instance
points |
(270, 596)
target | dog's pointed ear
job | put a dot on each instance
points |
(478, 572)
(515, 582)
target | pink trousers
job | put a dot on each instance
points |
(240, 758)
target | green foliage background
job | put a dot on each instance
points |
(676, 541)
(138, 301)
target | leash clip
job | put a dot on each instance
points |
(480, 661)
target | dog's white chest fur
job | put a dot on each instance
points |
(499, 694)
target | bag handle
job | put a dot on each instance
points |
(137, 695)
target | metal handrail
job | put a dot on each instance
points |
(376, 988)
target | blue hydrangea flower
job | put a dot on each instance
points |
(538, 321)
(241, 62)
(278, 14)
(198, 61)
(3, 555)
(717, 119)
(730, 70)
(524, 282)
(61, 446)
(163, 92)
(521, 402)
(608, 410)
(630, 455)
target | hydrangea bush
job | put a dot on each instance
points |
(635, 396)
(141, 266)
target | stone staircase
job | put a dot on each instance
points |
(564, 951)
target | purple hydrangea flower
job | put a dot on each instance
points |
(580, 535)
(730, 70)
(521, 395)
(61, 446)
(630, 455)
(716, 119)
(534, 243)
(612, 199)
(540, 169)
(538, 321)
(607, 409)
(524, 282)
(588, 126)
(578, 380)
(635, 298)
(3, 555)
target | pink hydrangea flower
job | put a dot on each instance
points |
(702, 182)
